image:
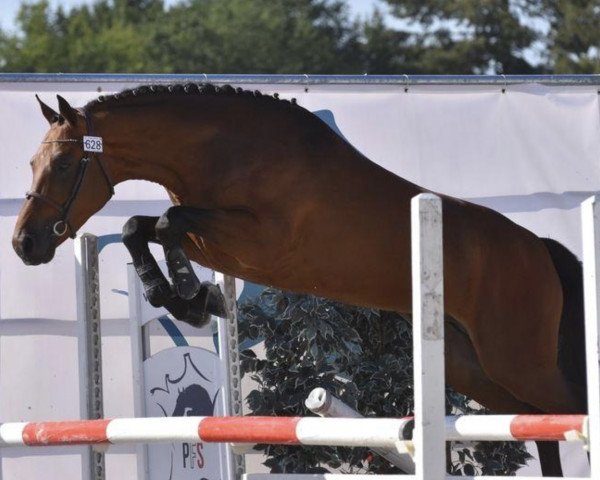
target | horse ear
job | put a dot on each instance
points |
(67, 111)
(48, 113)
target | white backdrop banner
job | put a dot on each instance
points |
(531, 153)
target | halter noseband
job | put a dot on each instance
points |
(63, 224)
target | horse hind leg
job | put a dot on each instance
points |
(515, 328)
(465, 374)
(549, 457)
(525, 363)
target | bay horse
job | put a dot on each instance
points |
(264, 190)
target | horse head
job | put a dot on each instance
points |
(68, 186)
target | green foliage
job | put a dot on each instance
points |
(306, 36)
(106, 37)
(502, 36)
(574, 35)
(238, 36)
(361, 355)
(224, 36)
(468, 36)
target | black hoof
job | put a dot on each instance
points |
(196, 318)
(197, 312)
(209, 301)
(184, 279)
(190, 312)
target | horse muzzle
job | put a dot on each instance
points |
(33, 248)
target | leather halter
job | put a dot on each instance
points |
(63, 224)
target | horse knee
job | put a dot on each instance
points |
(166, 227)
(130, 235)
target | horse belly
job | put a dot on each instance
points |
(359, 265)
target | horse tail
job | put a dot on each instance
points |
(571, 334)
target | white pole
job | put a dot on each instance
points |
(428, 337)
(229, 355)
(138, 355)
(590, 220)
(325, 404)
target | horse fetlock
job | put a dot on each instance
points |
(193, 312)
(182, 274)
(157, 291)
(148, 272)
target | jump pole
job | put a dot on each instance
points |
(351, 432)
(323, 403)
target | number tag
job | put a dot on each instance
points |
(92, 144)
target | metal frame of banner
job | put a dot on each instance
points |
(304, 79)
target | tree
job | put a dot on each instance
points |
(361, 355)
(104, 37)
(468, 36)
(236, 36)
(35, 45)
(386, 50)
(224, 36)
(573, 39)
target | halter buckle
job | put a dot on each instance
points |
(56, 228)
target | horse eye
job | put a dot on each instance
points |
(62, 164)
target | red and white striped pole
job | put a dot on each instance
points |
(373, 432)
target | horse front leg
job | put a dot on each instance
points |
(138, 231)
(171, 229)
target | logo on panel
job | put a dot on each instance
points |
(184, 382)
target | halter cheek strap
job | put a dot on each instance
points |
(95, 154)
(63, 224)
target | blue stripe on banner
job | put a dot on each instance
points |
(174, 332)
(105, 240)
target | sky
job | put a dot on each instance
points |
(9, 8)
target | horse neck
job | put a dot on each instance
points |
(150, 142)
(196, 146)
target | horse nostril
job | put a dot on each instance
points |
(32, 248)
(26, 244)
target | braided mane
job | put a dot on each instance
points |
(148, 91)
